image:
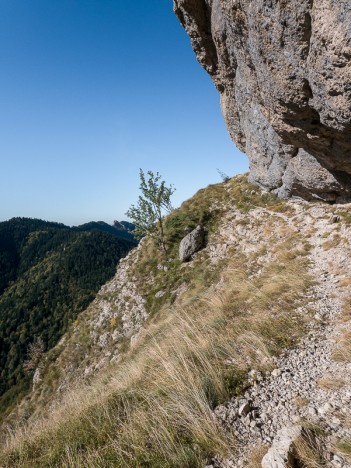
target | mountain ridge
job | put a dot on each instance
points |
(122, 229)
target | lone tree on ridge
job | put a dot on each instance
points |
(152, 206)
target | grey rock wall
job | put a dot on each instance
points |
(283, 71)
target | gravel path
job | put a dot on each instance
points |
(307, 384)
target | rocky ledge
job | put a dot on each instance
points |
(283, 71)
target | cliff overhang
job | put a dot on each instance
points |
(283, 72)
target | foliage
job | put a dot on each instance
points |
(49, 274)
(152, 205)
(225, 177)
(35, 355)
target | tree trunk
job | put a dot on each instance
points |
(162, 237)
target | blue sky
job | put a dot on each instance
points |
(92, 90)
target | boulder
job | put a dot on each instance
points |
(283, 72)
(192, 243)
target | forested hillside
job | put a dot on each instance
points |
(48, 274)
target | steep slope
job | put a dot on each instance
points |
(49, 274)
(152, 372)
(283, 73)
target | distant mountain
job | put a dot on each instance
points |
(49, 273)
(121, 229)
(124, 225)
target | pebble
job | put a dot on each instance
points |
(276, 372)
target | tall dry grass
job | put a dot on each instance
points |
(155, 408)
(342, 351)
(309, 451)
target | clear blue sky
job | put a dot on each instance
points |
(92, 90)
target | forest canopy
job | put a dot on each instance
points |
(49, 273)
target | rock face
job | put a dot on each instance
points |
(283, 71)
(191, 244)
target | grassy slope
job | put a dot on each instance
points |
(155, 407)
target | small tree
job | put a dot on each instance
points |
(152, 205)
(35, 354)
(225, 177)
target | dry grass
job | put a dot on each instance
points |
(329, 382)
(347, 421)
(343, 447)
(300, 402)
(155, 408)
(333, 242)
(256, 456)
(309, 451)
(345, 282)
(342, 351)
(346, 312)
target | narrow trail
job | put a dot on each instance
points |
(307, 384)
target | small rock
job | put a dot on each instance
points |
(312, 411)
(255, 414)
(324, 409)
(336, 463)
(276, 372)
(295, 418)
(36, 377)
(336, 421)
(244, 409)
(159, 294)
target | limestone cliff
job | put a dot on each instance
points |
(283, 72)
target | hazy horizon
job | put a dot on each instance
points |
(70, 225)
